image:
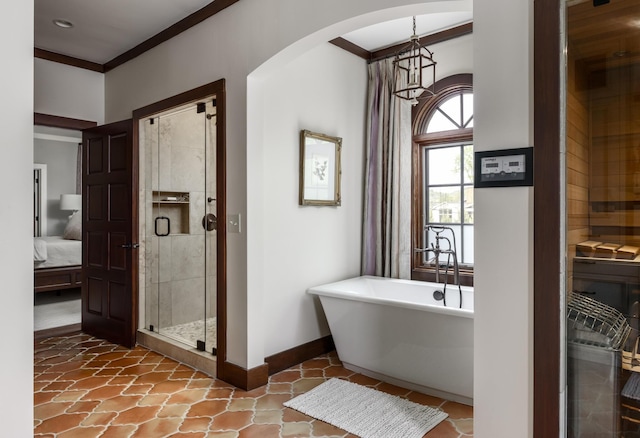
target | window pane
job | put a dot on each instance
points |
(468, 204)
(444, 205)
(467, 109)
(468, 245)
(447, 169)
(444, 166)
(468, 164)
(439, 123)
(451, 107)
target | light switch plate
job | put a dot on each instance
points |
(234, 223)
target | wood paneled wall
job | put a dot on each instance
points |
(577, 156)
(615, 155)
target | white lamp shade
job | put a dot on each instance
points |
(70, 202)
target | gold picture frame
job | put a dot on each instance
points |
(320, 169)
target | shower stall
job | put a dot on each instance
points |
(178, 225)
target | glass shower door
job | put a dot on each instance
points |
(180, 225)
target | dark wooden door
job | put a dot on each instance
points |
(109, 244)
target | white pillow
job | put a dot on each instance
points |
(73, 230)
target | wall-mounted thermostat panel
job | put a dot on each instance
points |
(504, 168)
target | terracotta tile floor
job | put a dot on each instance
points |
(86, 387)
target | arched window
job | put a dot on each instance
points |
(443, 178)
(455, 112)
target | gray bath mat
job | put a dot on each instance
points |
(366, 412)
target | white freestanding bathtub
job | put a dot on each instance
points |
(395, 331)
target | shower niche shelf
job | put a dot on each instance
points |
(173, 207)
(170, 197)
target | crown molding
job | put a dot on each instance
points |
(428, 40)
(62, 122)
(351, 48)
(175, 29)
(68, 60)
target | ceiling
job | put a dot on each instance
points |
(103, 30)
(389, 33)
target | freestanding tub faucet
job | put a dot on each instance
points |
(449, 251)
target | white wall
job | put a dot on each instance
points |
(66, 91)
(16, 247)
(324, 91)
(503, 118)
(453, 56)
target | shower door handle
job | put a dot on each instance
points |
(157, 223)
(210, 222)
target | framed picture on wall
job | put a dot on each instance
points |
(319, 169)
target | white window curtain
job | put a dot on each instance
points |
(386, 243)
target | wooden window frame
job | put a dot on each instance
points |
(445, 88)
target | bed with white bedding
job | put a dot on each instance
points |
(56, 251)
(57, 263)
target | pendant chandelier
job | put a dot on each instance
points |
(414, 70)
